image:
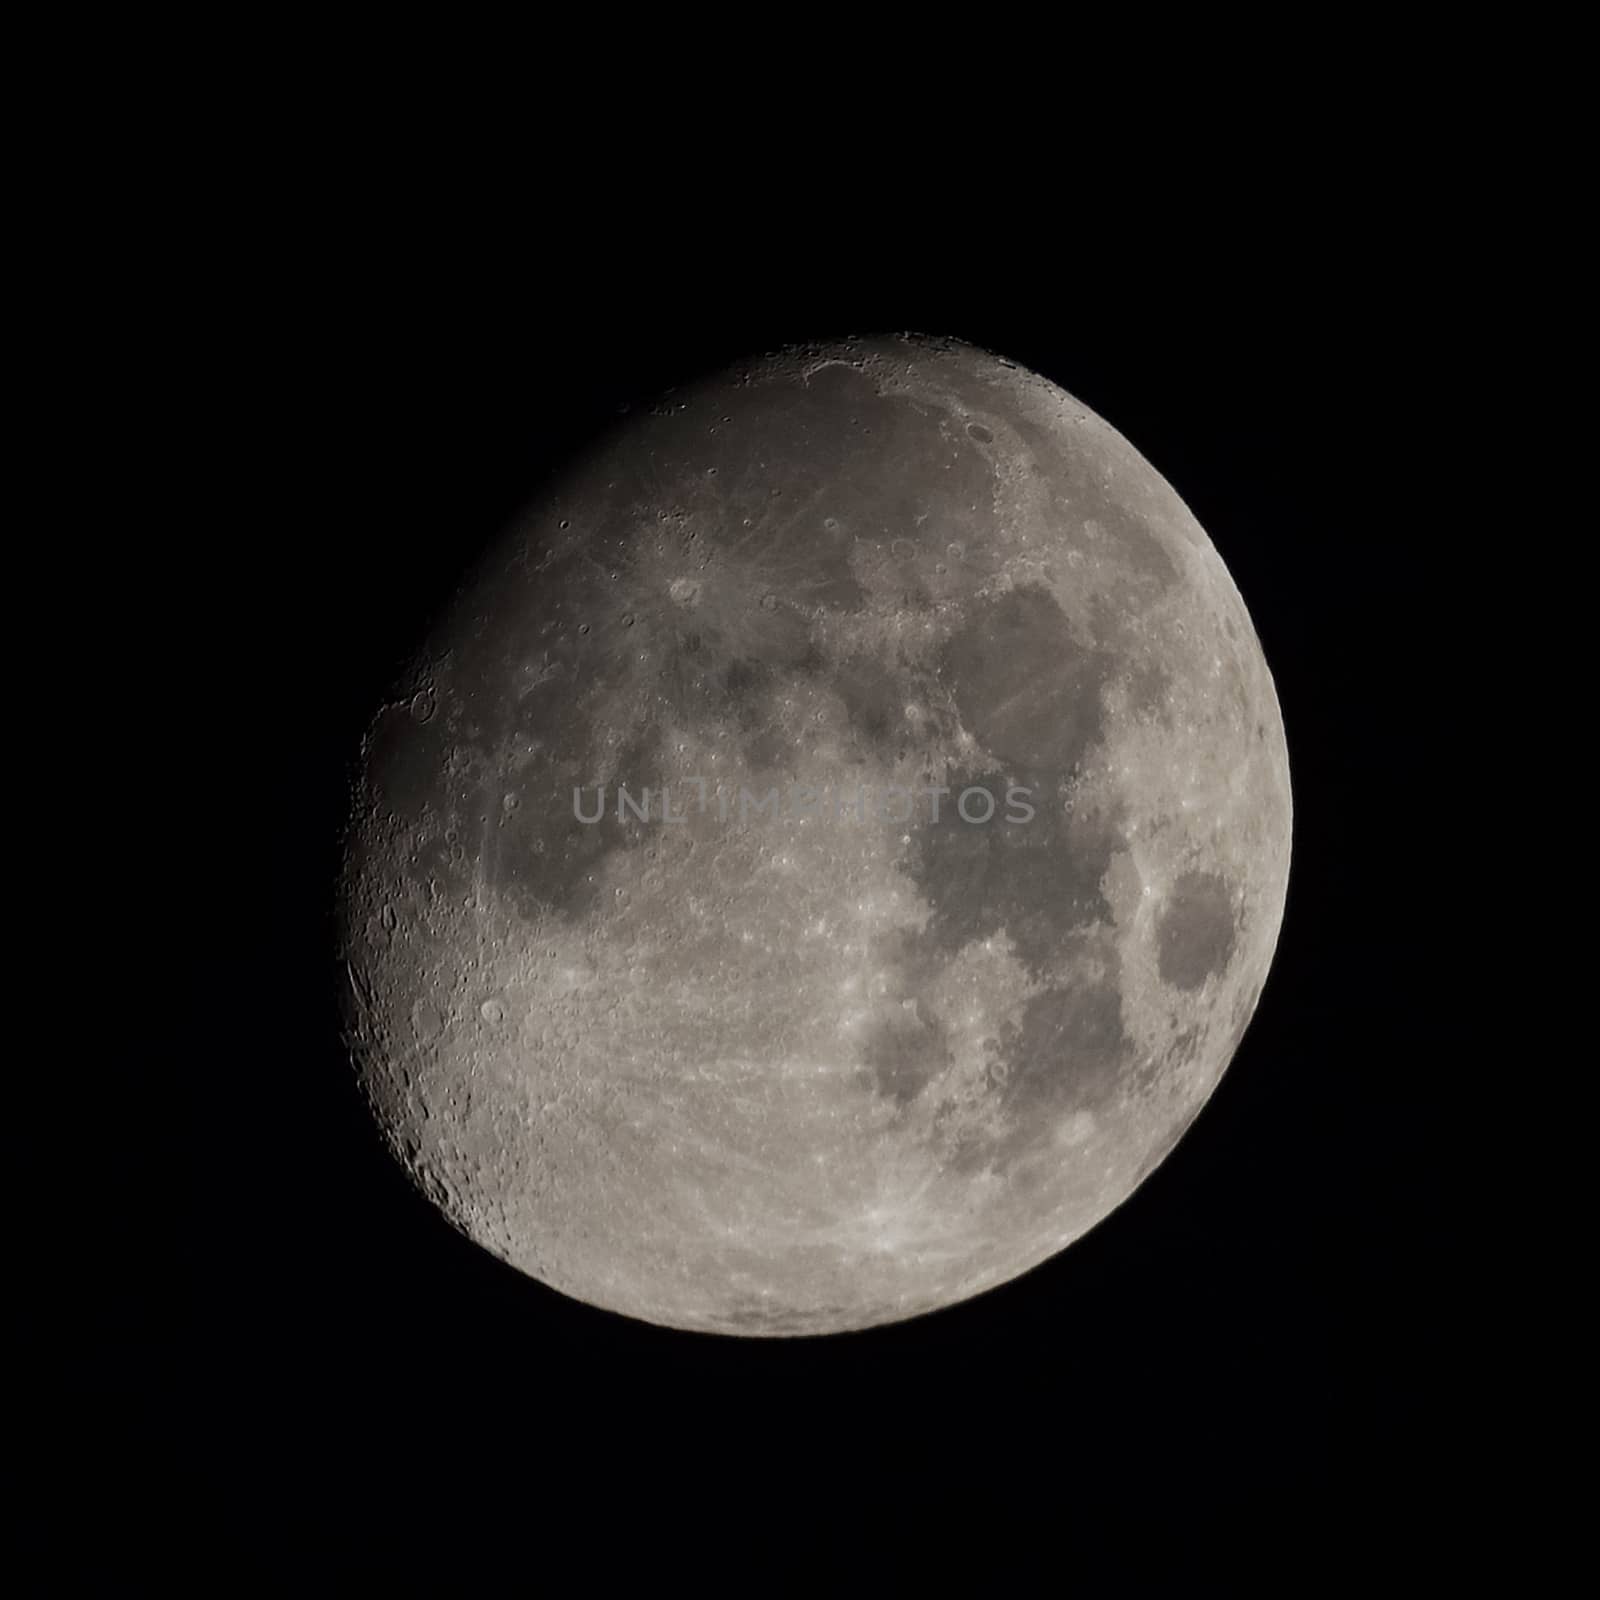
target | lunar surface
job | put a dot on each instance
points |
(826, 856)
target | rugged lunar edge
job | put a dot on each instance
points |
(790, 1072)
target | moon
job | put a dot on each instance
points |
(825, 855)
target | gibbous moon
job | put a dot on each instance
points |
(826, 856)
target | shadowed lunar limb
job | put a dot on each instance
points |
(826, 855)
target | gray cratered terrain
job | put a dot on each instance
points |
(806, 1038)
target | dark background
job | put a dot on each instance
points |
(1245, 1355)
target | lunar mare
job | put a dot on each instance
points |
(767, 1071)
